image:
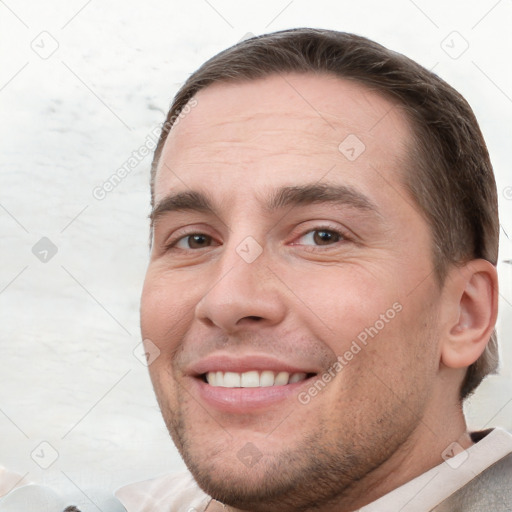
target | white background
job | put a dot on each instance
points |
(68, 327)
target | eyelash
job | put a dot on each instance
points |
(171, 246)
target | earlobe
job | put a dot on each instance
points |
(471, 299)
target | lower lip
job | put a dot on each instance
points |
(242, 400)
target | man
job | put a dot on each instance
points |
(322, 289)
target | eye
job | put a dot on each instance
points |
(191, 241)
(321, 236)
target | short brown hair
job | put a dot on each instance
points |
(452, 183)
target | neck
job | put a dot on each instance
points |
(424, 449)
(441, 425)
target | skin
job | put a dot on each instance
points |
(388, 415)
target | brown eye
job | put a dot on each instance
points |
(320, 237)
(324, 237)
(190, 242)
(195, 241)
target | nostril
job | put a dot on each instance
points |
(254, 317)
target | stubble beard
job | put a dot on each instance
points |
(329, 468)
(314, 475)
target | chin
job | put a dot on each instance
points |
(281, 478)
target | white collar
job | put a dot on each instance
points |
(426, 491)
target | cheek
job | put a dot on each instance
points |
(347, 300)
(166, 310)
(164, 317)
(373, 328)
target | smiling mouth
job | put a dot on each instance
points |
(253, 379)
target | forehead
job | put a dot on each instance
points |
(281, 129)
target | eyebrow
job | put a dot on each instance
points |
(290, 196)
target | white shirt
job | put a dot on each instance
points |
(179, 492)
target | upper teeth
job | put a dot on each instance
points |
(252, 379)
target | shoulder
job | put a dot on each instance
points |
(490, 489)
(176, 492)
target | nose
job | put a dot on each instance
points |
(242, 294)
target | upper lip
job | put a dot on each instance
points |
(240, 364)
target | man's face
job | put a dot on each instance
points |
(295, 318)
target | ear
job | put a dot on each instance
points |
(470, 309)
